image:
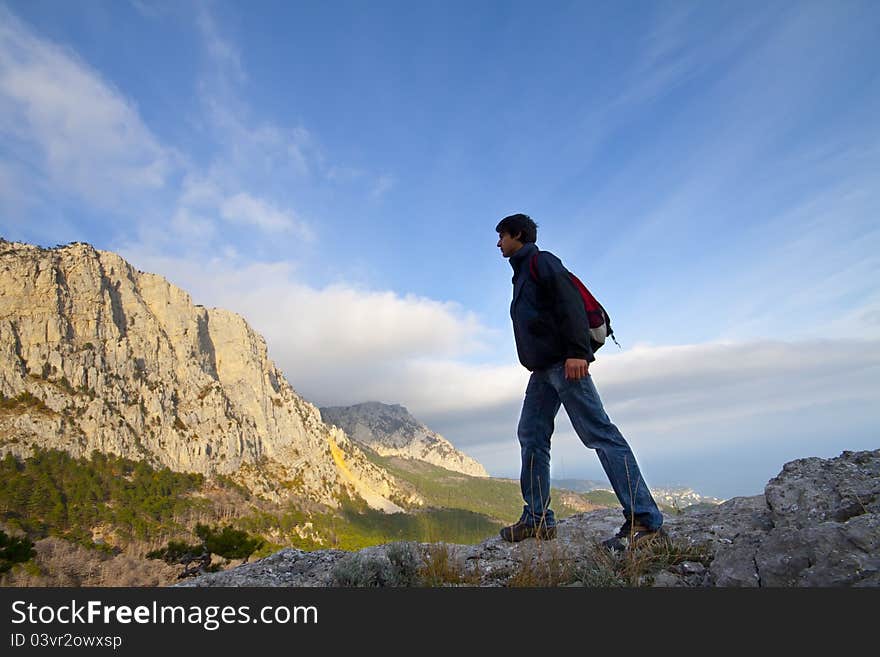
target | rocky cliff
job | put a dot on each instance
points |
(816, 524)
(391, 430)
(96, 355)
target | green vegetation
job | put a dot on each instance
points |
(601, 498)
(227, 542)
(498, 499)
(356, 526)
(14, 550)
(402, 566)
(443, 488)
(52, 493)
(229, 483)
(129, 504)
(371, 571)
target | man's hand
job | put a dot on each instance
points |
(576, 368)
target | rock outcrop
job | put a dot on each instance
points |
(817, 524)
(391, 430)
(96, 355)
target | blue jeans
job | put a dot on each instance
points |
(548, 389)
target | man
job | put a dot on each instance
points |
(552, 340)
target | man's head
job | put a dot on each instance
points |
(514, 231)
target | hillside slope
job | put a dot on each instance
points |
(96, 355)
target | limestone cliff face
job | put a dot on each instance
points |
(96, 355)
(391, 430)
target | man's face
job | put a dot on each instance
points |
(508, 245)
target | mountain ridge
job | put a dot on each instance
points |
(677, 497)
(391, 430)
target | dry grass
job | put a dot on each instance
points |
(440, 567)
(62, 563)
(544, 565)
(639, 565)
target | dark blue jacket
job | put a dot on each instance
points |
(549, 320)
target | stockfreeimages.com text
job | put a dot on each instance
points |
(211, 617)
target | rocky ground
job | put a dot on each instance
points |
(817, 524)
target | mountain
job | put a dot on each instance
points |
(97, 355)
(390, 430)
(817, 524)
(676, 497)
(679, 497)
(580, 485)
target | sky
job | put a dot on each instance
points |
(334, 171)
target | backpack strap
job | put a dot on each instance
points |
(533, 266)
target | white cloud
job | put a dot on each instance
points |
(252, 149)
(191, 226)
(203, 203)
(62, 118)
(245, 209)
(722, 417)
(663, 388)
(379, 342)
(66, 130)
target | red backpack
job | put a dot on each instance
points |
(599, 321)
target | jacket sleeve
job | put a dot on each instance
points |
(568, 307)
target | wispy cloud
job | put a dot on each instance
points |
(67, 131)
(188, 224)
(58, 118)
(203, 204)
(223, 53)
(245, 209)
(254, 150)
(667, 387)
(149, 8)
(383, 185)
(754, 190)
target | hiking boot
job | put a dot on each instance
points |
(521, 530)
(631, 535)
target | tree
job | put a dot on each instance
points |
(195, 558)
(14, 550)
(228, 543)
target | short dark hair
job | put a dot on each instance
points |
(519, 224)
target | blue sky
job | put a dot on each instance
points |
(334, 172)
